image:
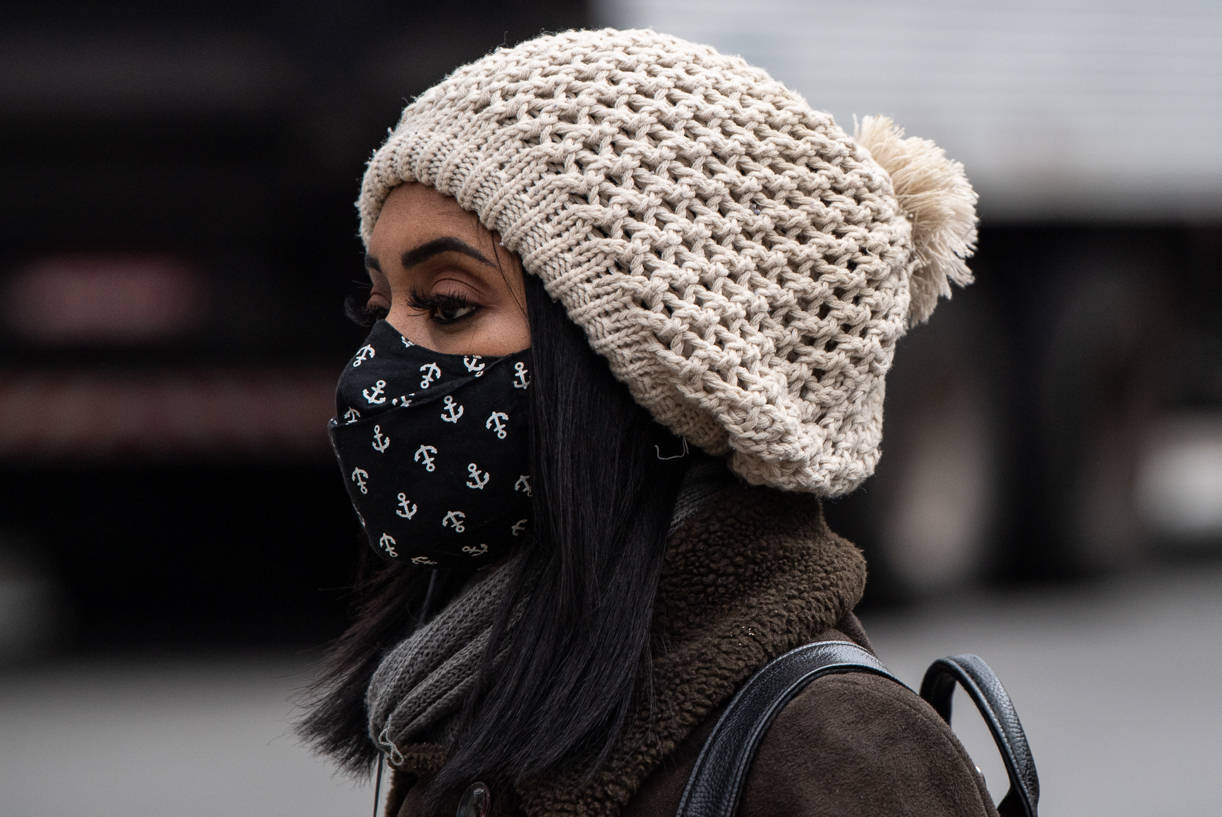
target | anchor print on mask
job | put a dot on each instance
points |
(360, 479)
(475, 550)
(520, 375)
(429, 373)
(406, 509)
(376, 394)
(454, 519)
(364, 353)
(474, 364)
(477, 479)
(451, 411)
(380, 441)
(517, 527)
(424, 455)
(496, 424)
(388, 544)
(351, 416)
(523, 484)
(423, 560)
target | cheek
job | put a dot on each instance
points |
(408, 323)
(512, 324)
(510, 331)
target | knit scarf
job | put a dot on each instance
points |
(421, 684)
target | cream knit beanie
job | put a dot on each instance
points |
(743, 265)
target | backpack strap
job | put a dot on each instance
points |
(991, 698)
(714, 788)
(716, 782)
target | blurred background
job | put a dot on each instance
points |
(178, 235)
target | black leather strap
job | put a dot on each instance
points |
(715, 786)
(998, 712)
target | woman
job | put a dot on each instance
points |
(633, 302)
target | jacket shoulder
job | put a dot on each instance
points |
(856, 744)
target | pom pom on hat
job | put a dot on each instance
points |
(940, 203)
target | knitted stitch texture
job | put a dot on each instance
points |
(422, 683)
(744, 266)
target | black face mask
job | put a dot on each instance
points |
(433, 449)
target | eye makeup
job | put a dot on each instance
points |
(442, 308)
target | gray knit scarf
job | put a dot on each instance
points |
(421, 684)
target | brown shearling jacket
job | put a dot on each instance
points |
(752, 575)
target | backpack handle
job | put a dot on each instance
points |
(995, 706)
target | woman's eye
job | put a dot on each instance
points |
(442, 309)
(451, 312)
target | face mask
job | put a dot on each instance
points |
(433, 449)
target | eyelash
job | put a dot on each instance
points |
(437, 305)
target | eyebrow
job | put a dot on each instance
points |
(428, 249)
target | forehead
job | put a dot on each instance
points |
(414, 213)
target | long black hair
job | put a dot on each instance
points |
(578, 658)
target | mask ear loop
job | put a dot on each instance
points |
(377, 786)
(683, 453)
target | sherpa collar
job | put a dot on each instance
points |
(754, 573)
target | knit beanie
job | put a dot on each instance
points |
(743, 265)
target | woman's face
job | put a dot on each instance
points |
(444, 280)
